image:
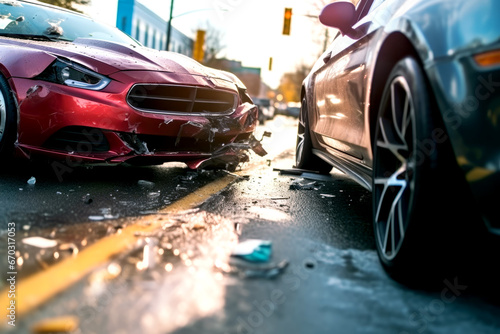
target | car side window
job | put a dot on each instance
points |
(375, 4)
(362, 8)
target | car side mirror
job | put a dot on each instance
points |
(340, 15)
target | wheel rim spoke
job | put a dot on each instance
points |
(3, 115)
(393, 168)
(300, 146)
(299, 151)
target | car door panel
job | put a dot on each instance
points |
(340, 93)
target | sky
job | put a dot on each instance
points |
(251, 29)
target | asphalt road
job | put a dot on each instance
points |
(147, 250)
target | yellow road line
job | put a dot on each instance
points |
(35, 290)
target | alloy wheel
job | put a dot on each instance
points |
(301, 129)
(394, 167)
(3, 116)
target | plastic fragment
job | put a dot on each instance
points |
(167, 121)
(154, 194)
(32, 181)
(190, 176)
(292, 171)
(243, 270)
(302, 184)
(316, 177)
(145, 183)
(305, 174)
(105, 214)
(267, 272)
(86, 199)
(40, 242)
(149, 255)
(70, 247)
(179, 136)
(253, 250)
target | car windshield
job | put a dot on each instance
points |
(36, 21)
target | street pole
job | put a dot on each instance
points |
(169, 25)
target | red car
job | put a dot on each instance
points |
(80, 92)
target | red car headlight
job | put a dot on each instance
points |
(70, 74)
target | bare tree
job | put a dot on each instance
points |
(323, 35)
(213, 42)
(68, 4)
(291, 83)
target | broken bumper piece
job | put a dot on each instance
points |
(215, 143)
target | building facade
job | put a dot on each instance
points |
(250, 76)
(141, 23)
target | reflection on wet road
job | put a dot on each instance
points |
(151, 250)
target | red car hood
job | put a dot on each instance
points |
(107, 57)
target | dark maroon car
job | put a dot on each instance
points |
(77, 91)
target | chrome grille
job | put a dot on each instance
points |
(175, 99)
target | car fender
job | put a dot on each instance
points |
(22, 62)
(437, 28)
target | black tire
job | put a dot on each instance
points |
(8, 120)
(304, 157)
(410, 167)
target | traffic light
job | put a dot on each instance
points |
(287, 21)
(198, 50)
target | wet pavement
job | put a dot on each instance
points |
(176, 273)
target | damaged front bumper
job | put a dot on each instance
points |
(100, 127)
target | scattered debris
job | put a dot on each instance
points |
(147, 184)
(317, 177)
(293, 171)
(327, 196)
(31, 181)
(149, 255)
(302, 184)
(65, 324)
(305, 174)
(87, 200)
(40, 242)
(199, 226)
(266, 134)
(190, 176)
(70, 247)
(253, 250)
(154, 194)
(268, 271)
(105, 215)
(230, 156)
(237, 228)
